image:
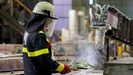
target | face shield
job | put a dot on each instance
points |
(49, 27)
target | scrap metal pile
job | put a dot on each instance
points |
(78, 64)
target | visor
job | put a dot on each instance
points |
(50, 28)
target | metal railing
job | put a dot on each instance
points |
(13, 19)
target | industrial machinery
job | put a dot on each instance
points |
(122, 33)
(117, 40)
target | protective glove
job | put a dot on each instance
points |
(66, 69)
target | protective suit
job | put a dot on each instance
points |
(36, 47)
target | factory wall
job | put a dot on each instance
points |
(62, 11)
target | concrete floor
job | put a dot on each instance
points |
(79, 72)
(84, 72)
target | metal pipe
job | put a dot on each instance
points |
(24, 6)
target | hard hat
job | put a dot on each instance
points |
(45, 8)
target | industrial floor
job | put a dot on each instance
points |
(79, 72)
(12, 73)
(85, 72)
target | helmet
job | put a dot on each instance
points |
(45, 8)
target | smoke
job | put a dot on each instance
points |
(91, 54)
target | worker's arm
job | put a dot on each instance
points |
(41, 43)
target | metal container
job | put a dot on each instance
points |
(131, 31)
(121, 25)
(122, 66)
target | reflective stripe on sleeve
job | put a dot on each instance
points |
(36, 53)
(60, 67)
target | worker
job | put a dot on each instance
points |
(36, 47)
(120, 50)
